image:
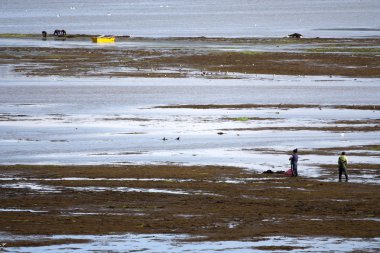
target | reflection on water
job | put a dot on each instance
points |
(177, 243)
(114, 121)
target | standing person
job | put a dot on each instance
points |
(293, 163)
(342, 164)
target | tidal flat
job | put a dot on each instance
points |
(189, 57)
(164, 141)
(212, 203)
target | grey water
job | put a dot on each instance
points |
(211, 18)
(115, 120)
(158, 243)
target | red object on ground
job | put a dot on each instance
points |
(288, 173)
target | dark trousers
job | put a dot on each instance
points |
(293, 166)
(342, 171)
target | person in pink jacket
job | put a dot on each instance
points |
(293, 162)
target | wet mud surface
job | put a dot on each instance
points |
(195, 57)
(216, 202)
(220, 203)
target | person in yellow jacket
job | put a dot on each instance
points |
(342, 164)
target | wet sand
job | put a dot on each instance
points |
(221, 203)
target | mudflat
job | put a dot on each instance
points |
(204, 57)
(219, 203)
(215, 202)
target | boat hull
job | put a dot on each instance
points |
(103, 39)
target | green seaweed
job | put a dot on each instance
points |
(374, 148)
(55, 56)
(15, 35)
(240, 119)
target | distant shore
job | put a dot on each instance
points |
(252, 39)
(220, 58)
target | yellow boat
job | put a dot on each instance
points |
(103, 39)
